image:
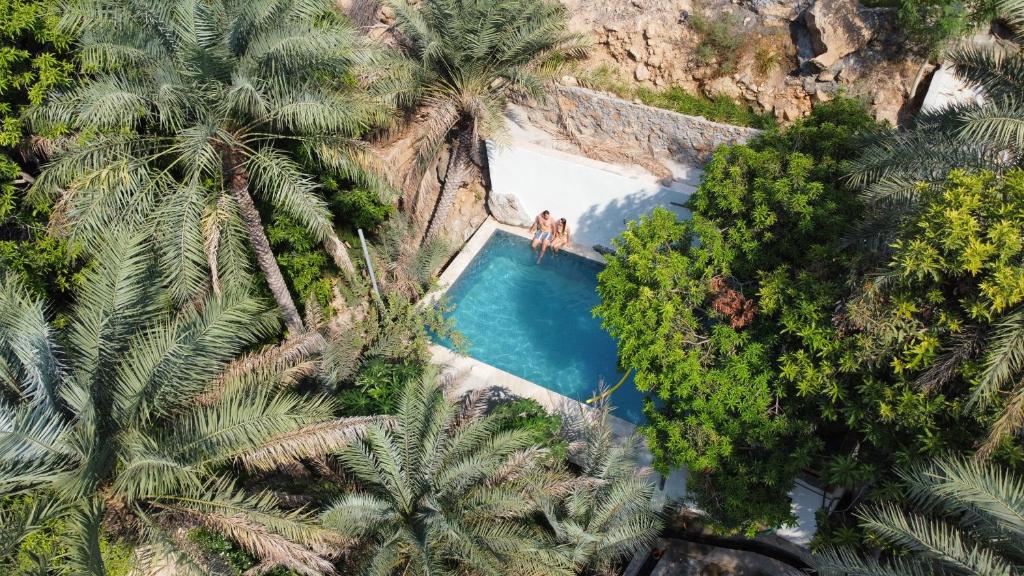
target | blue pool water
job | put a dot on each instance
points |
(535, 321)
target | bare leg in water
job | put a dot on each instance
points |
(543, 248)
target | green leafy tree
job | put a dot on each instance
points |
(703, 309)
(467, 59)
(34, 58)
(445, 491)
(926, 354)
(130, 421)
(192, 110)
(958, 517)
(947, 314)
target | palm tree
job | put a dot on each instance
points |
(192, 109)
(963, 517)
(135, 421)
(967, 135)
(607, 516)
(469, 57)
(446, 491)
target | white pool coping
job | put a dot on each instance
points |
(470, 374)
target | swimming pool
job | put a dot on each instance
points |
(534, 321)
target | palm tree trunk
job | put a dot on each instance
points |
(239, 184)
(458, 166)
(339, 254)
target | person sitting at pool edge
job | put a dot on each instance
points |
(563, 236)
(542, 230)
(559, 238)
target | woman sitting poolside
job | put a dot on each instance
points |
(563, 236)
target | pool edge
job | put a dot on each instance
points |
(472, 374)
(494, 376)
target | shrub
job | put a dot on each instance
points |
(718, 109)
(703, 323)
(766, 60)
(722, 40)
(48, 545)
(304, 263)
(360, 208)
(545, 429)
(377, 386)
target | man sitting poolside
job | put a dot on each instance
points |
(543, 229)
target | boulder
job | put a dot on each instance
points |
(642, 74)
(837, 28)
(506, 209)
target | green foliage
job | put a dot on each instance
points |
(403, 265)
(946, 310)
(47, 265)
(931, 24)
(847, 471)
(721, 108)
(33, 541)
(723, 40)
(543, 428)
(702, 309)
(766, 60)
(303, 262)
(955, 517)
(368, 365)
(377, 386)
(34, 59)
(146, 416)
(360, 208)
(227, 554)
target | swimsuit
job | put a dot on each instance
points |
(542, 235)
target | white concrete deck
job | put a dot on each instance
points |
(471, 374)
(597, 198)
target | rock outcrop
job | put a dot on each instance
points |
(779, 56)
(506, 209)
(837, 29)
(787, 54)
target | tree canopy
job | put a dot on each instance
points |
(702, 308)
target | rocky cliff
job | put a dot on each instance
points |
(779, 56)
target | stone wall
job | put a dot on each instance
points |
(599, 119)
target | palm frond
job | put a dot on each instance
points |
(279, 179)
(320, 439)
(1004, 358)
(83, 525)
(995, 70)
(997, 124)
(989, 499)
(28, 354)
(934, 541)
